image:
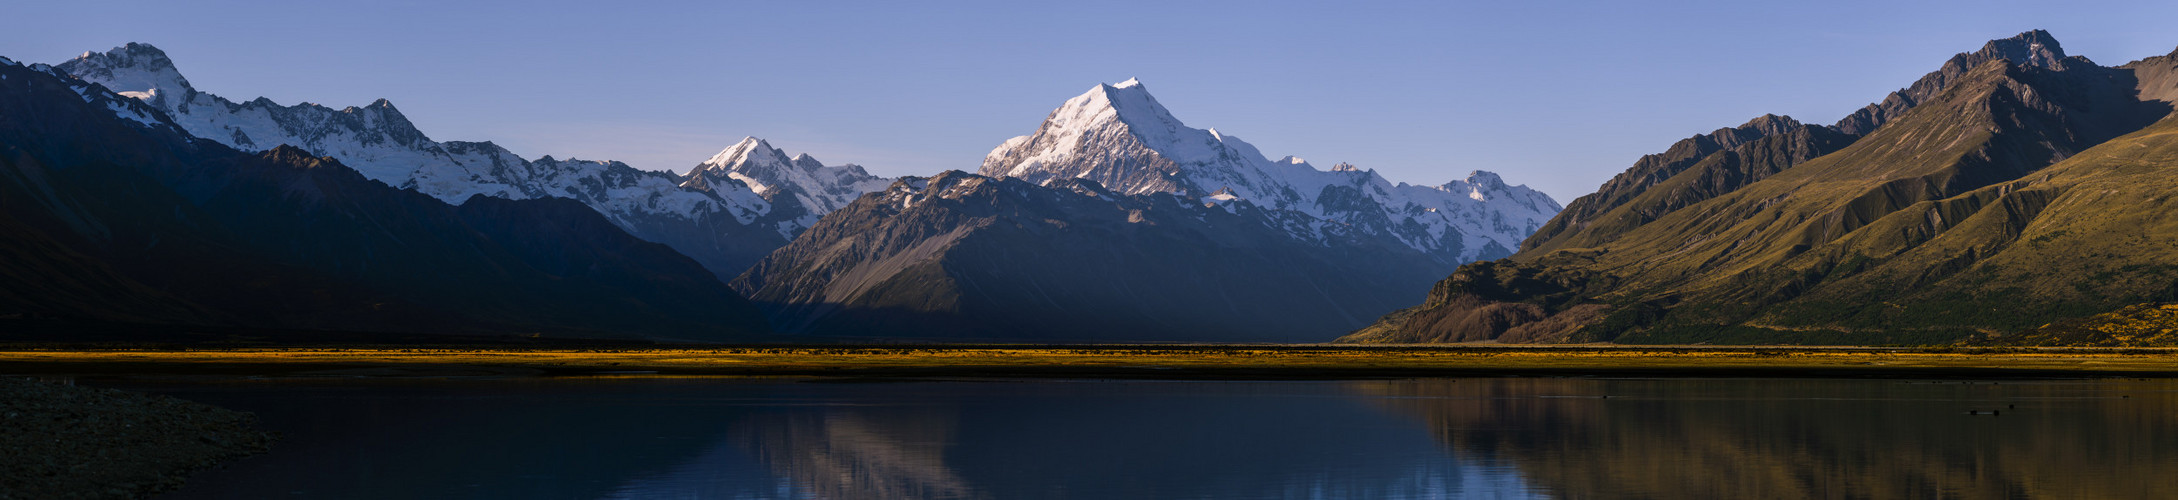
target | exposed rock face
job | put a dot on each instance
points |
(965, 256)
(726, 223)
(113, 213)
(1906, 222)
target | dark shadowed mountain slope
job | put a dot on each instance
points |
(1935, 224)
(115, 214)
(726, 213)
(966, 256)
(1115, 221)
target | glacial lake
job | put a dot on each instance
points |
(686, 438)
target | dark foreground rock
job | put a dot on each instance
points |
(66, 442)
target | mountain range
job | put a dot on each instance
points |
(726, 212)
(1116, 222)
(1197, 237)
(1120, 136)
(116, 215)
(2014, 186)
(2013, 196)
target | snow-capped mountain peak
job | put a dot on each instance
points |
(771, 173)
(748, 150)
(375, 139)
(1121, 137)
(1087, 137)
(136, 70)
(725, 225)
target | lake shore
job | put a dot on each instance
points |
(65, 442)
(1100, 361)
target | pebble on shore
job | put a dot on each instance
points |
(67, 442)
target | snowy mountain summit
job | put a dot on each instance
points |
(818, 188)
(726, 222)
(1120, 136)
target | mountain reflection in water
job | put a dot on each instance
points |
(1432, 438)
(1808, 438)
(1083, 440)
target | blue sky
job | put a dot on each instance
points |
(1556, 95)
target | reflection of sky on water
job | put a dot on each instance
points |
(1078, 440)
(1476, 438)
(735, 438)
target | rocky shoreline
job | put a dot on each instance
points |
(68, 442)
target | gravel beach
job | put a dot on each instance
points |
(62, 441)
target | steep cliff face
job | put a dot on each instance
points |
(971, 257)
(1891, 238)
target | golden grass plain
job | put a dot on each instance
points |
(1155, 361)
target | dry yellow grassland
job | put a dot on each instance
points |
(1086, 361)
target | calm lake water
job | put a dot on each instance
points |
(1430, 438)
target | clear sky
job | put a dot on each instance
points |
(1555, 95)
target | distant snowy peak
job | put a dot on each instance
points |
(771, 173)
(1126, 104)
(1121, 137)
(380, 142)
(376, 140)
(134, 70)
(1488, 187)
(726, 226)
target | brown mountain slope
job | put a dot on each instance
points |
(2031, 49)
(1896, 238)
(2084, 236)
